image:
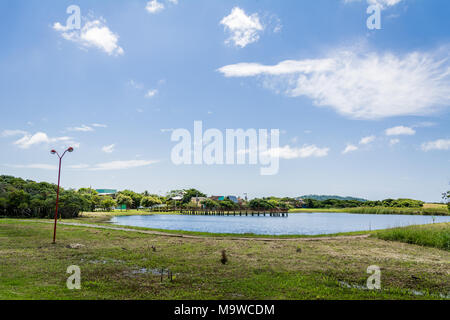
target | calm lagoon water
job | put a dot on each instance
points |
(297, 223)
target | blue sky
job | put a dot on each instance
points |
(361, 112)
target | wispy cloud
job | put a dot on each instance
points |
(151, 93)
(244, 29)
(367, 140)
(425, 124)
(38, 138)
(82, 128)
(78, 166)
(94, 34)
(109, 149)
(394, 141)
(113, 165)
(99, 125)
(11, 133)
(135, 84)
(121, 165)
(306, 151)
(361, 84)
(400, 130)
(154, 6)
(40, 166)
(441, 144)
(349, 148)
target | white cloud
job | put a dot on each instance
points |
(173, 1)
(78, 166)
(288, 67)
(288, 152)
(151, 93)
(114, 165)
(367, 140)
(82, 128)
(400, 131)
(99, 125)
(40, 166)
(95, 34)
(244, 29)
(109, 149)
(11, 133)
(394, 141)
(120, 165)
(425, 124)
(29, 140)
(441, 144)
(135, 84)
(349, 148)
(362, 85)
(154, 6)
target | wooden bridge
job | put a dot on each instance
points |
(237, 212)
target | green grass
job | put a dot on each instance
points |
(426, 210)
(437, 235)
(33, 268)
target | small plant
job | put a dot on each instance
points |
(224, 259)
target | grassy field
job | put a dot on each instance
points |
(122, 265)
(437, 236)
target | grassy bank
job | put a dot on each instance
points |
(437, 235)
(122, 265)
(426, 210)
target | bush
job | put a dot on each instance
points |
(29, 199)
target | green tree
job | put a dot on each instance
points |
(227, 205)
(17, 198)
(149, 202)
(260, 204)
(136, 197)
(91, 196)
(210, 204)
(191, 193)
(108, 204)
(123, 200)
(446, 197)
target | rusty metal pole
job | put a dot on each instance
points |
(57, 201)
(70, 149)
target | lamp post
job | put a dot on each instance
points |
(70, 149)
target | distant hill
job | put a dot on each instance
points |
(326, 197)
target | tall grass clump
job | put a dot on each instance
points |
(391, 210)
(434, 235)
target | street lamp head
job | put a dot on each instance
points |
(70, 149)
(53, 151)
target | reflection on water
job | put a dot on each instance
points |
(298, 223)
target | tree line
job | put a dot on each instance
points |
(336, 203)
(27, 198)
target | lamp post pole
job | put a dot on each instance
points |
(57, 190)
